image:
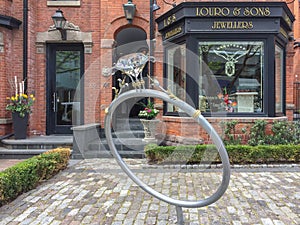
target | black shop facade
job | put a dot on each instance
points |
(227, 58)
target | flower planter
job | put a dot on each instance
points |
(20, 125)
(150, 130)
(20, 104)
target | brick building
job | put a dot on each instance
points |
(69, 74)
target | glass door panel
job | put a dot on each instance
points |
(67, 80)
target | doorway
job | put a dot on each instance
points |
(129, 40)
(65, 67)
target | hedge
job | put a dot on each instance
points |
(238, 154)
(27, 174)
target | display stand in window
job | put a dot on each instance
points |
(245, 101)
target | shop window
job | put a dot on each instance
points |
(63, 3)
(231, 76)
(176, 74)
(279, 68)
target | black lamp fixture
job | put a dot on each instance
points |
(155, 6)
(129, 10)
(59, 22)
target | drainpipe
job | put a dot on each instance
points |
(151, 37)
(25, 42)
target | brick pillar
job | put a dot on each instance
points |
(290, 60)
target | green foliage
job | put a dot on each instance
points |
(229, 135)
(283, 133)
(182, 153)
(257, 134)
(149, 112)
(26, 175)
(283, 145)
(238, 154)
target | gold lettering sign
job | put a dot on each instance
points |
(287, 19)
(171, 19)
(283, 32)
(212, 11)
(225, 11)
(173, 32)
(257, 11)
(234, 25)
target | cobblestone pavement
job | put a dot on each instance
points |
(98, 192)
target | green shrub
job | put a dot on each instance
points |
(257, 134)
(229, 135)
(26, 175)
(283, 133)
(297, 131)
(238, 154)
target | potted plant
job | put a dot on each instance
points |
(148, 119)
(20, 105)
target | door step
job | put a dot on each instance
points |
(6, 153)
(26, 148)
(39, 142)
(88, 141)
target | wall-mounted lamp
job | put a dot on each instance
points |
(59, 22)
(155, 6)
(129, 10)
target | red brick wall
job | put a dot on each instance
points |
(6, 7)
(295, 77)
(186, 127)
(290, 78)
(90, 22)
(11, 60)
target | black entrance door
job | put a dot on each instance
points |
(65, 67)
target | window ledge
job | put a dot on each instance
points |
(63, 3)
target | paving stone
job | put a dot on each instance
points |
(97, 191)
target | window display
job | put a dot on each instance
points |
(176, 67)
(231, 76)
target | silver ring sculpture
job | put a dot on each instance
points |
(132, 65)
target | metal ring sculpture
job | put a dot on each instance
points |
(133, 70)
(200, 120)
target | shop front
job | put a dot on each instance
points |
(227, 59)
